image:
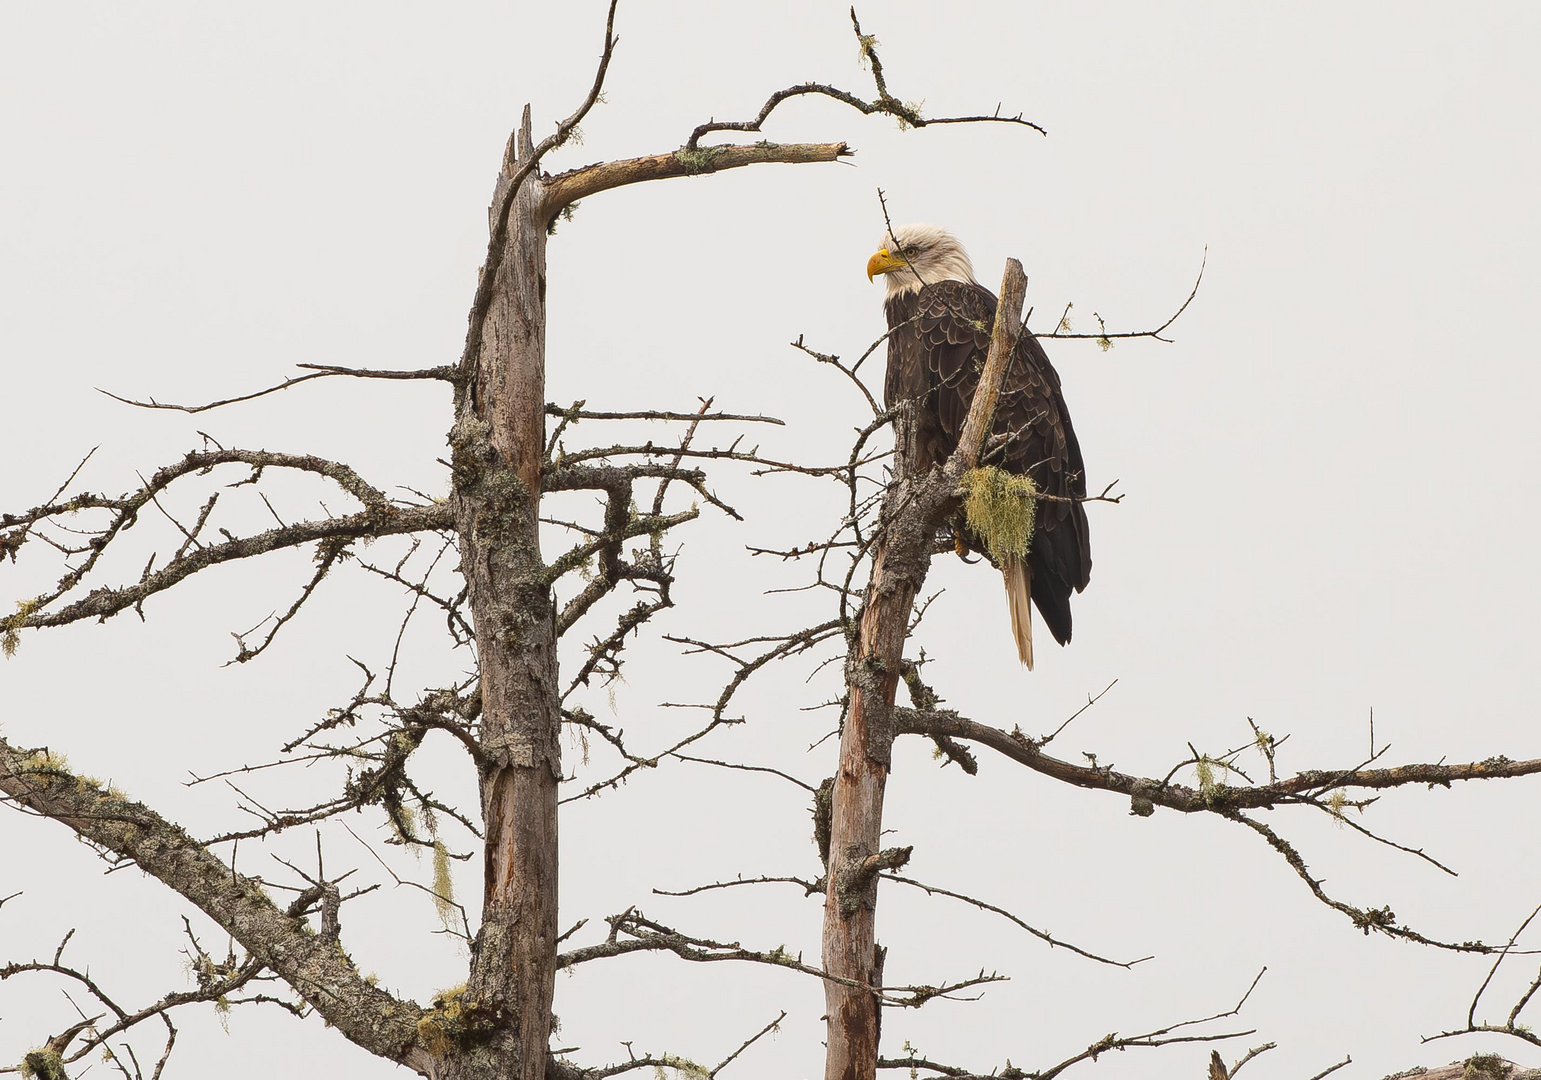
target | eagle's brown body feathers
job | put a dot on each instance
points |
(941, 336)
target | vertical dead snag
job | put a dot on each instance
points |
(498, 443)
(913, 506)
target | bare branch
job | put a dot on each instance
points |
(1229, 801)
(1042, 935)
(1163, 1036)
(885, 103)
(1104, 335)
(385, 521)
(1294, 789)
(576, 412)
(318, 971)
(644, 935)
(1329, 1070)
(766, 1030)
(565, 189)
(319, 371)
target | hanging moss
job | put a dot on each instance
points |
(999, 508)
(1204, 768)
(443, 886)
(1335, 804)
(10, 629)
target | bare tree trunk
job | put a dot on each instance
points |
(912, 508)
(498, 447)
(856, 818)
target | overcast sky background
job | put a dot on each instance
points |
(1330, 480)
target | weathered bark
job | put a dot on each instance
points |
(1146, 793)
(503, 1021)
(498, 445)
(856, 819)
(1003, 346)
(564, 189)
(1477, 1067)
(911, 510)
(315, 965)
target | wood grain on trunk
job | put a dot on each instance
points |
(498, 445)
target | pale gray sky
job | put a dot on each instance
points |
(1329, 475)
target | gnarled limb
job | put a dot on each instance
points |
(313, 965)
(1294, 789)
(1308, 788)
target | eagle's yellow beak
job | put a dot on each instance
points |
(883, 262)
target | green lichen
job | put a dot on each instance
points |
(999, 509)
(1335, 803)
(565, 214)
(10, 628)
(682, 1066)
(910, 116)
(403, 822)
(1103, 341)
(449, 1019)
(1204, 769)
(700, 159)
(1486, 1067)
(865, 43)
(46, 761)
(44, 1063)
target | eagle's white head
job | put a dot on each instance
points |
(916, 255)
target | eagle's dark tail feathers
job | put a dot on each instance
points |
(1051, 595)
(1054, 606)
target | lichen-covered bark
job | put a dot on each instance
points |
(567, 188)
(1147, 792)
(497, 447)
(856, 820)
(314, 965)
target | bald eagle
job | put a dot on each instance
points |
(940, 320)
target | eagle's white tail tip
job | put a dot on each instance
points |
(1019, 598)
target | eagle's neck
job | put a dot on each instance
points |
(900, 307)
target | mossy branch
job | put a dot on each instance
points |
(281, 941)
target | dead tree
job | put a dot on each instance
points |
(890, 538)
(508, 717)
(875, 565)
(514, 456)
